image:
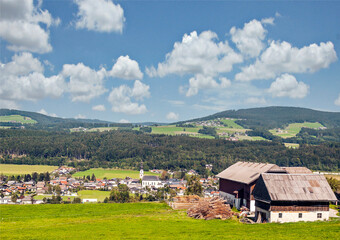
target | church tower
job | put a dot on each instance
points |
(141, 172)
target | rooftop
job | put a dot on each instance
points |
(247, 172)
(293, 187)
(150, 178)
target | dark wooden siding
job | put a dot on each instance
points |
(299, 206)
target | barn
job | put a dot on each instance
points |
(238, 181)
(292, 198)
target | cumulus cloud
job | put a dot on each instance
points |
(197, 54)
(337, 101)
(124, 121)
(44, 112)
(23, 79)
(126, 68)
(249, 40)
(100, 16)
(84, 83)
(121, 98)
(281, 57)
(205, 82)
(20, 26)
(287, 86)
(8, 104)
(80, 116)
(100, 108)
(269, 21)
(172, 116)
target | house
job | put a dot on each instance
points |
(151, 181)
(238, 181)
(89, 200)
(292, 198)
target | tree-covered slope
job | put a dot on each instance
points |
(277, 117)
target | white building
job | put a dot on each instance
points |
(151, 181)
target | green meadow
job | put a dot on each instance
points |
(141, 221)
(99, 195)
(111, 173)
(13, 169)
(294, 128)
(230, 123)
(18, 119)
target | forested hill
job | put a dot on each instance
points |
(276, 117)
(48, 121)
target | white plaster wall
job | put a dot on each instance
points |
(252, 205)
(294, 216)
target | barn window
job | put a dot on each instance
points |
(280, 215)
(300, 215)
(319, 215)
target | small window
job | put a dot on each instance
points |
(280, 215)
(319, 215)
(300, 215)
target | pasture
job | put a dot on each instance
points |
(230, 123)
(13, 169)
(111, 173)
(141, 221)
(17, 119)
(294, 128)
(99, 195)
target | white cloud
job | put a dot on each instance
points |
(172, 116)
(176, 102)
(100, 16)
(197, 54)
(205, 82)
(126, 68)
(287, 86)
(337, 101)
(8, 104)
(20, 26)
(269, 21)
(44, 112)
(80, 116)
(256, 100)
(84, 83)
(281, 57)
(100, 108)
(23, 79)
(121, 98)
(249, 39)
(124, 121)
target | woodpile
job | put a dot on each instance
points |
(214, 208)
(187, 199)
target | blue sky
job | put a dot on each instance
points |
(133, 61)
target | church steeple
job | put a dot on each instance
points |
(141, 172)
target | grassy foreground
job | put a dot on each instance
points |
(141, 221)
(14, 169)
(111, 173)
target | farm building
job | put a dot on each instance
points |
(238, 181)
(292, 198)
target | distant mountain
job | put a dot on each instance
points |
(276, 117)
(48, 121)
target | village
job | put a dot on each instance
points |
(266, 192)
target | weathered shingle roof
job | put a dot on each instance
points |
(246, 172)
(150, 178)
(297, 170)
(293, 187)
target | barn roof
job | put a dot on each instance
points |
(297, 170)
(150, 178)
(293, 187)
(247, 172)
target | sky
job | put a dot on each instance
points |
(166, 61)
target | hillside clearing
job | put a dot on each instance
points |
(294, 128)
(17, 119)
(13, 169)
(141, 221)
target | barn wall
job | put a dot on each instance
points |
(293, 216)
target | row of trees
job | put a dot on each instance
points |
(126, 149)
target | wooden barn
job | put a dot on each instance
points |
(238, 181)
(292, 197)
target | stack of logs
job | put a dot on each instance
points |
(214, 208)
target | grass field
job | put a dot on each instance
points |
(294, 128)
(292, 145)
(111, 173)
(13, 169)
(99, 195)
(141, 221)
(18, 119)
(230, 123)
